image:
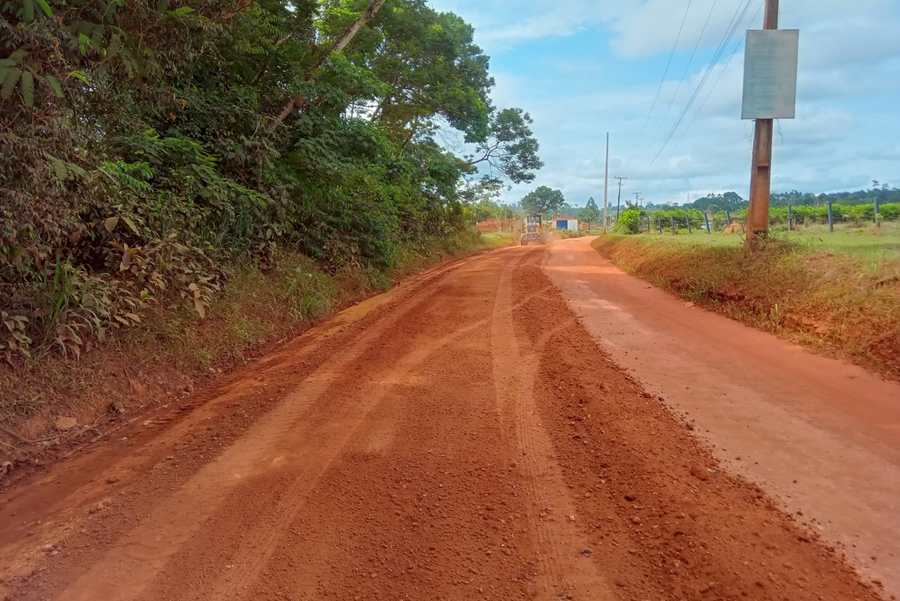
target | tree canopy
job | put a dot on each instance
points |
(224, 130)
(543, 200)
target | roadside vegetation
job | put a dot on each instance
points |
(182, 180)
(836, 293)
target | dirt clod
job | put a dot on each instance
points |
(64, 424)
(699, 472)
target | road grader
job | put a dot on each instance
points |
(534, 230)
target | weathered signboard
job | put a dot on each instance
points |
(770, 74)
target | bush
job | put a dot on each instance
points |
(630, 221)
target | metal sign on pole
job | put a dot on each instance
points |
(770, 92)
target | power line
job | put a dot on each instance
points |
(669, 63)
(716, 83)
(688, 66)
(619, 200)
(736, 18)
(715, 59)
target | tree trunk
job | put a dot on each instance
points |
(297, 101)
(412, 133)
(348, 35)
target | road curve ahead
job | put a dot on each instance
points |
(461, 437)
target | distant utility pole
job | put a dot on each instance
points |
(606, 188)
(619, 200)
(637, 198)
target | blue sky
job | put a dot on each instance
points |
(585, 67)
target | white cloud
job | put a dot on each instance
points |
(845, 133)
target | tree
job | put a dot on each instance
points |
(509, 146)
(590, 214)
(630, 219)
(158, 112)
(432, 68)
(730, 200)
(299, 100)
(543, 200)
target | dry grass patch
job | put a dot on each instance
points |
(838, 303)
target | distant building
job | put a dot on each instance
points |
(492, 225)
(565, 223)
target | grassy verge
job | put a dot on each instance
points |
(834, 295)
(866, 242)
(174, 350)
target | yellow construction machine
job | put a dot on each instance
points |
(534, 230)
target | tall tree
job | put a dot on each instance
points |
(158, 113)
(543, 200)
(298, 100)
(510, 147)
(432, 69)
(590, 214)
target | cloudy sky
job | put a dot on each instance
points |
(585, 67)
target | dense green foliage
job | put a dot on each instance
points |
(145, 147)
(732, 201)
(884, 193)
(631, 220)
(543, 200)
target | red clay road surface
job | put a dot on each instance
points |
(469, 436)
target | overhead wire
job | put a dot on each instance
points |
(688, 66)
(669, 63)
(726, 40)
(716, 83)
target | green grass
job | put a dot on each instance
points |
(868, 242)
(498, 240)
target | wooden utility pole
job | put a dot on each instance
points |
(761, 170)
(619, 199)
(606, 188)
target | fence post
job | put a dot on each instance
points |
(877, 223)
(830, 218)
(659, 223)
(706, 216)
(790, 219)
(688, 219)
(727, 218)
(673, 223)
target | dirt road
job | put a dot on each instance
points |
(821, 435)
(462, 437)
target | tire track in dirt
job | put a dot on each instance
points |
(327, 532)
(257, 552)
(138, 559)
(564, 569)
(665, 521)
(146, 549)
(56, 508)
(395, 470)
